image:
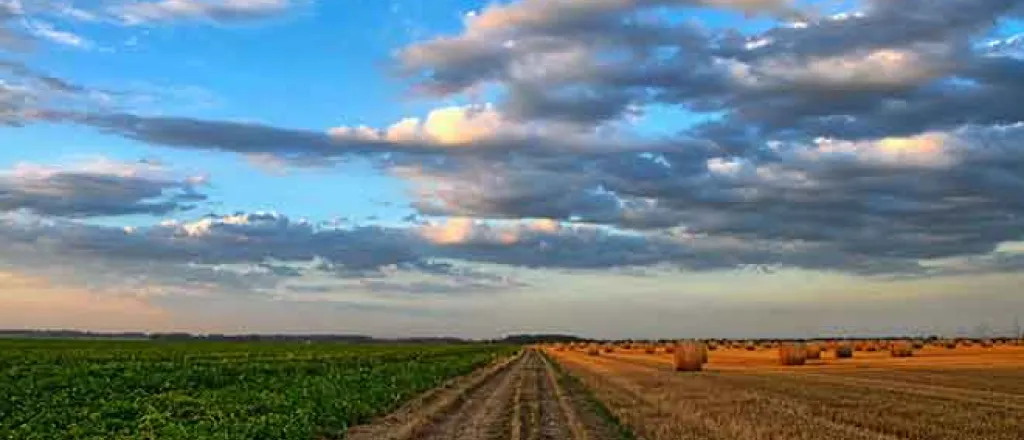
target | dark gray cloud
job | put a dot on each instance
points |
(889, 134)
(893, 61)
(872, 142)
(908, 199)
(261, 251)
(305, 146)
(25, 93)
(119, 190)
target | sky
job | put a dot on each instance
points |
(610, 168)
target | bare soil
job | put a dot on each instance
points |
(525, 398)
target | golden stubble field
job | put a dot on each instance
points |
(938, 393)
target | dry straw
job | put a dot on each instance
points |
(901, 349)
(689, 356)
(813, 351)
(792, 354)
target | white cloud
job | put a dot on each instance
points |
(925, 150)
(462, 230)
(70, 11)
(218, 10)
(48, 32)
(482, 125)
(877, 68)
(449, 126)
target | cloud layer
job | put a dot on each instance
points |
(883, 140)
(100, 188)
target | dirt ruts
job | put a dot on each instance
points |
(525, 398)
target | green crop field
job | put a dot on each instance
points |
(75, 389)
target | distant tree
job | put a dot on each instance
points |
(539, 339)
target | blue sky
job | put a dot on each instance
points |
(163, 157)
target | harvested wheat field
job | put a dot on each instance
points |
(937, 393)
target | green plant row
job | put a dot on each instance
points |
(56, 390)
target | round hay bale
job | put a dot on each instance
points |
(844, 351)
(792, 354)
(813, 351)
(703, 352)
(901, 349)
(950, 345)
(871, 347)
(609, 349)
(650, 349)
(917, 345)
(688, 356)
(593, 351)
(669, 349)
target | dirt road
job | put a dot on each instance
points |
(526, 398)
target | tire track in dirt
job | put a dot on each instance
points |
(565, 411)
(522, 399)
